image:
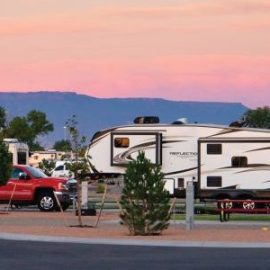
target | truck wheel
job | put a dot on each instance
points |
(46, 202)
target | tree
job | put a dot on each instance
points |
(79, 167)
(2, 118)
(20, 129)
(62, 145)
(38, 123)
(35, 146)
(258, 118)
(46, 166)
(144, 200)
(77, 142)
(5, 163)
(2, 122)
(27, 129)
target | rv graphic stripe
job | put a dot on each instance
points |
(225, 131)
(247, 166)
(258, 149)
(182, 171)
(263, 168)
(125, 156)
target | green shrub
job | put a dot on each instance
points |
(5, 163)
(144, 200)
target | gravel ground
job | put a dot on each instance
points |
(64, 224)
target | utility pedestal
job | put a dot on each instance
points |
(190, 206)
(84, 194)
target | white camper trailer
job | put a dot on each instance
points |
(19, 151)
(222, 161)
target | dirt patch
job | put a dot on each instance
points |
(109, 227)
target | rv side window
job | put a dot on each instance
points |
(239, 162)
(214, 149)
(121, 142)
(22, 158)
(214, 181)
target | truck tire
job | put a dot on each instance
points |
(46, 202)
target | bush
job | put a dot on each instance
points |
(46, 166)
(5, 163)
(144, 200)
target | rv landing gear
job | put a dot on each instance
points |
(224, 205)
(224, 216)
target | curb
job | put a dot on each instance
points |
(129, 242)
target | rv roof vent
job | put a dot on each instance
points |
(180, 121)
(146, 120)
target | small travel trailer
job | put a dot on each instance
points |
(221, 161)
(19, 151)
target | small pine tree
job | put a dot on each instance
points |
(79, 167)
(144, 200)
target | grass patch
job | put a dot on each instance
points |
(233, 217)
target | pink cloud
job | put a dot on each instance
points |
(191, 8)
(94, 18)
(216, 78)
(67, 23)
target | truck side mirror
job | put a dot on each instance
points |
(23, 176)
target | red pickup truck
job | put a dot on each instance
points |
(30, 186)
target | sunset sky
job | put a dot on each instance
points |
(190, 50)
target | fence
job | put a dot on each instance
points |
(247, 206)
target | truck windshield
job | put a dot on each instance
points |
(36, 173)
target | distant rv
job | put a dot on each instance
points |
(19, 151)
(222, 162)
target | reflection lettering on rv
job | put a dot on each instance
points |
(184, 154)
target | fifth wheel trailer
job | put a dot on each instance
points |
(222, 161)
(19, 151)
(232, 167)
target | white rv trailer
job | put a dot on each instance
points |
(222, 161)
(19, 151)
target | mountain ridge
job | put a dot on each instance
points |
(94, 113)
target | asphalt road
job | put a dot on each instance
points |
(43, 255)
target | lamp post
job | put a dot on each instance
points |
(65, 133)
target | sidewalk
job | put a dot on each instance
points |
(55, 226)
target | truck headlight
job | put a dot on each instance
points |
(62, 186)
